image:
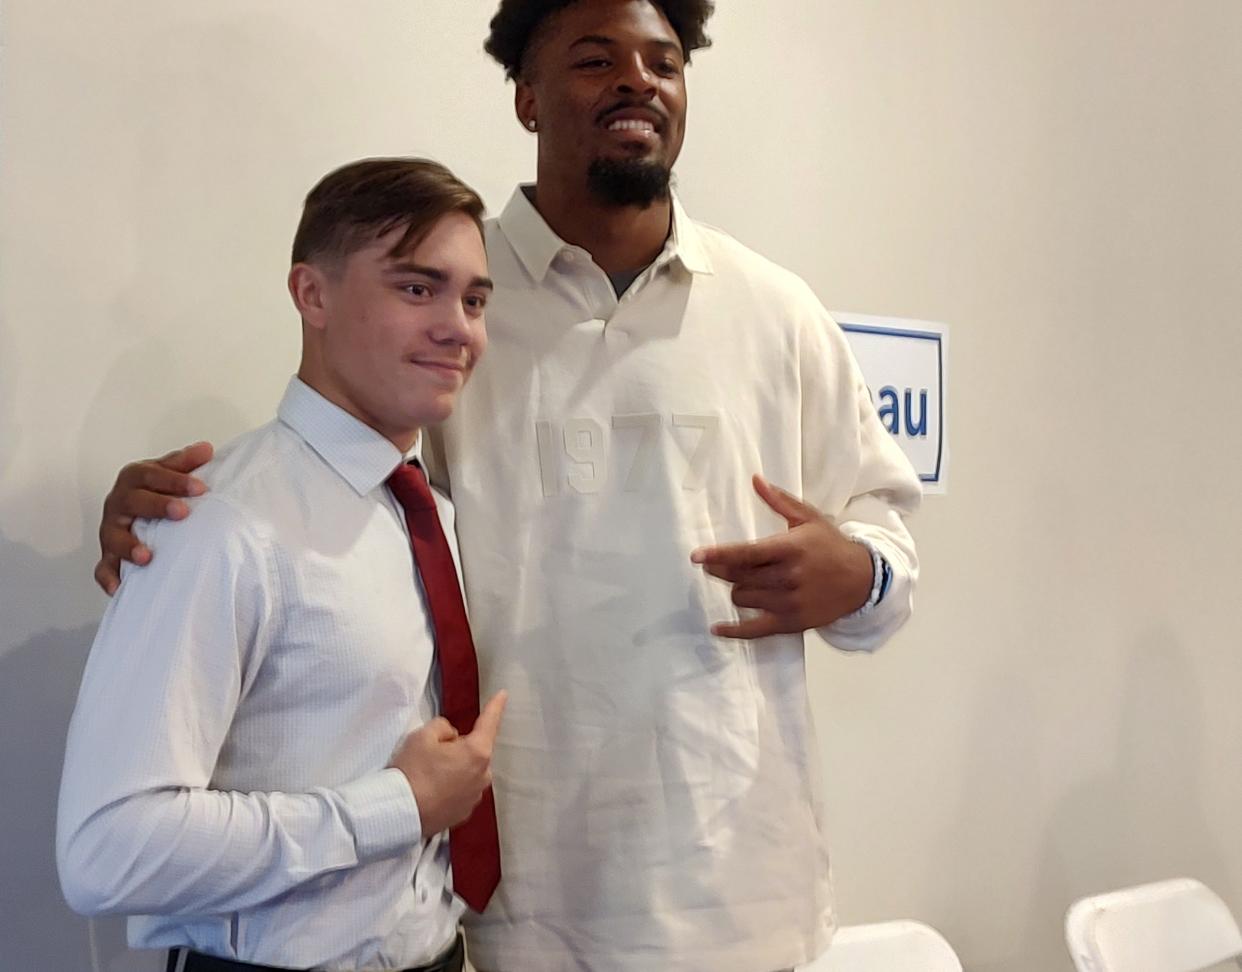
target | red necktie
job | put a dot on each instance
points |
(474, 846)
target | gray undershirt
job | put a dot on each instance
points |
(621, 281)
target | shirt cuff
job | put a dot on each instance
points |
(869, 627)
(382, 813)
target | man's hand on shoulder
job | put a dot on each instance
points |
(150, 489)
(807, 577)
(447, 772)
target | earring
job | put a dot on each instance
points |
(531, 125)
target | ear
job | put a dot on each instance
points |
(524, 105)
(307, 287)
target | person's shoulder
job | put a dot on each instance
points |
(218, 539)
(248, 467)
(734, 259)
(772, 294)
(248, 480)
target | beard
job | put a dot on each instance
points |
(629, 182)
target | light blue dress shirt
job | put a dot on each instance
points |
(225, 774)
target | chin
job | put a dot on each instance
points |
(629, 181)
(436, 412)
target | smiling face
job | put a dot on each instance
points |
(392, 337)
(604, 83)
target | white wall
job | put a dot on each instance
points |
(1058, 180)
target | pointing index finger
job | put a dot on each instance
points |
(753, 553)
(488, 722)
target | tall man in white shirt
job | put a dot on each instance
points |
(658, 781)
(256, 765)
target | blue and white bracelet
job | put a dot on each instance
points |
(882, 577)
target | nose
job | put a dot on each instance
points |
(634, 77)
(455, 325)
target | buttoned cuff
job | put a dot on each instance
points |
(382, 813)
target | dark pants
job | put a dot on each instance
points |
(451, 961)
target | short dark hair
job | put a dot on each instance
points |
(362, 201)
(517, 21)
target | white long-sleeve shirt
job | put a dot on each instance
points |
(225, 773)
(657, 786)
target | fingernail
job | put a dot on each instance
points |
(196, 488)
(696, 556)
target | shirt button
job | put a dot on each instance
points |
(568, 256)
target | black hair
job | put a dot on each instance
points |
(517, 21)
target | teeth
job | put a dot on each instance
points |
(628, 125)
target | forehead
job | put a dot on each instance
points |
(621, 20)
(452, 243)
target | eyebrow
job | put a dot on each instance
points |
(610, 42)
(435, 273)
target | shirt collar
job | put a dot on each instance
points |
(359, 454)
(537, 246)
(686, 242)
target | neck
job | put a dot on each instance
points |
(312, 374)
(619, 238)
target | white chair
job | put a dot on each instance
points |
(888, 946)
(1169, 926)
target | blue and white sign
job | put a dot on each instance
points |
(904, 363)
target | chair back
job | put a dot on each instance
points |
(888, 946)
(1169, 926)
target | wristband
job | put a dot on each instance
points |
(881, 577)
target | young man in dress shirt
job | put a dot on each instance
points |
(256, 766)
(659, 782)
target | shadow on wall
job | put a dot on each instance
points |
(39, 678)
(43, 653)
(38, 685)
(1137, 819)
(1142, 820)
